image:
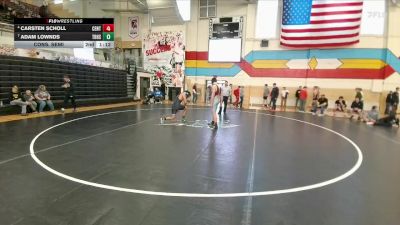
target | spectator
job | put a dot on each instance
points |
(396, 99)
(225, 92)
(322, 105)
(303, 99)
(16, 99)
(236, 92)
(194, 93)
(389, 102)
(29, 98)
(208, 94)
(387, 121)
(162, 88)
(69, 93)
(315, 98)
(13, 14)
(372, 115)
(265, 95)
(340, 105)
(359, 94)
(3, 5)
(297, 95)
(274, 96)
(356, 108)
(43, 97)
(284, 96)
(241, 96)
(230, 97)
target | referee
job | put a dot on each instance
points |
(226, 92)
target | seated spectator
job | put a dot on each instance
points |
(43, 98)
(321, 105)
(16, 99)
(340, 105)
(357, 108)
(29, 98)
(387, 121)
(372, 115)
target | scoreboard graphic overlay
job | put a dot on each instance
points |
(64, 33)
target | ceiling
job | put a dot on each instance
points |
(162, 12)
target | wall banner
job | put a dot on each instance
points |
(133, 24)
(164, 57)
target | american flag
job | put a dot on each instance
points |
(320, 23)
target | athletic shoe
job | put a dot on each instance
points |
(370, 123)
(320, 114)
(62, 110)
(313, 113)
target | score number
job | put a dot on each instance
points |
(108, 32)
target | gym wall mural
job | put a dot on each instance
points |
(315, 63)
(163, 57)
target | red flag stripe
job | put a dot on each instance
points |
(337, 5)
(335, 21)
(336, 13)
(320, 37)
(319, 45)
(320, 29)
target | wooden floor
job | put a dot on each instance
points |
(9, 118)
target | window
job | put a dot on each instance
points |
(208, 8)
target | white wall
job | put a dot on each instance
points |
(197, 40)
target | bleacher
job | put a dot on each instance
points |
(92, 84)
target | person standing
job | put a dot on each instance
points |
(265, 95)
(389, 102)
(194, 91)
(215, 100)
(208, 94)
(236, 92)
(303, 99)
(162, 88)
(359, 94)
(226, 92)
(274, 96)
(284, 96)
(241, 96)
(396, 99)
(230, 96)
(69, 93)
(297, 95)
(315, 98)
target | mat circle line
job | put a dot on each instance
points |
(199, 195)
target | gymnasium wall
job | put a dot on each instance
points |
(373, 64)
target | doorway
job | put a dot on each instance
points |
(144, 86)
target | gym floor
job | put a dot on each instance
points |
(121, 166)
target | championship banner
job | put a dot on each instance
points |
(133, 24)
(163, 56)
